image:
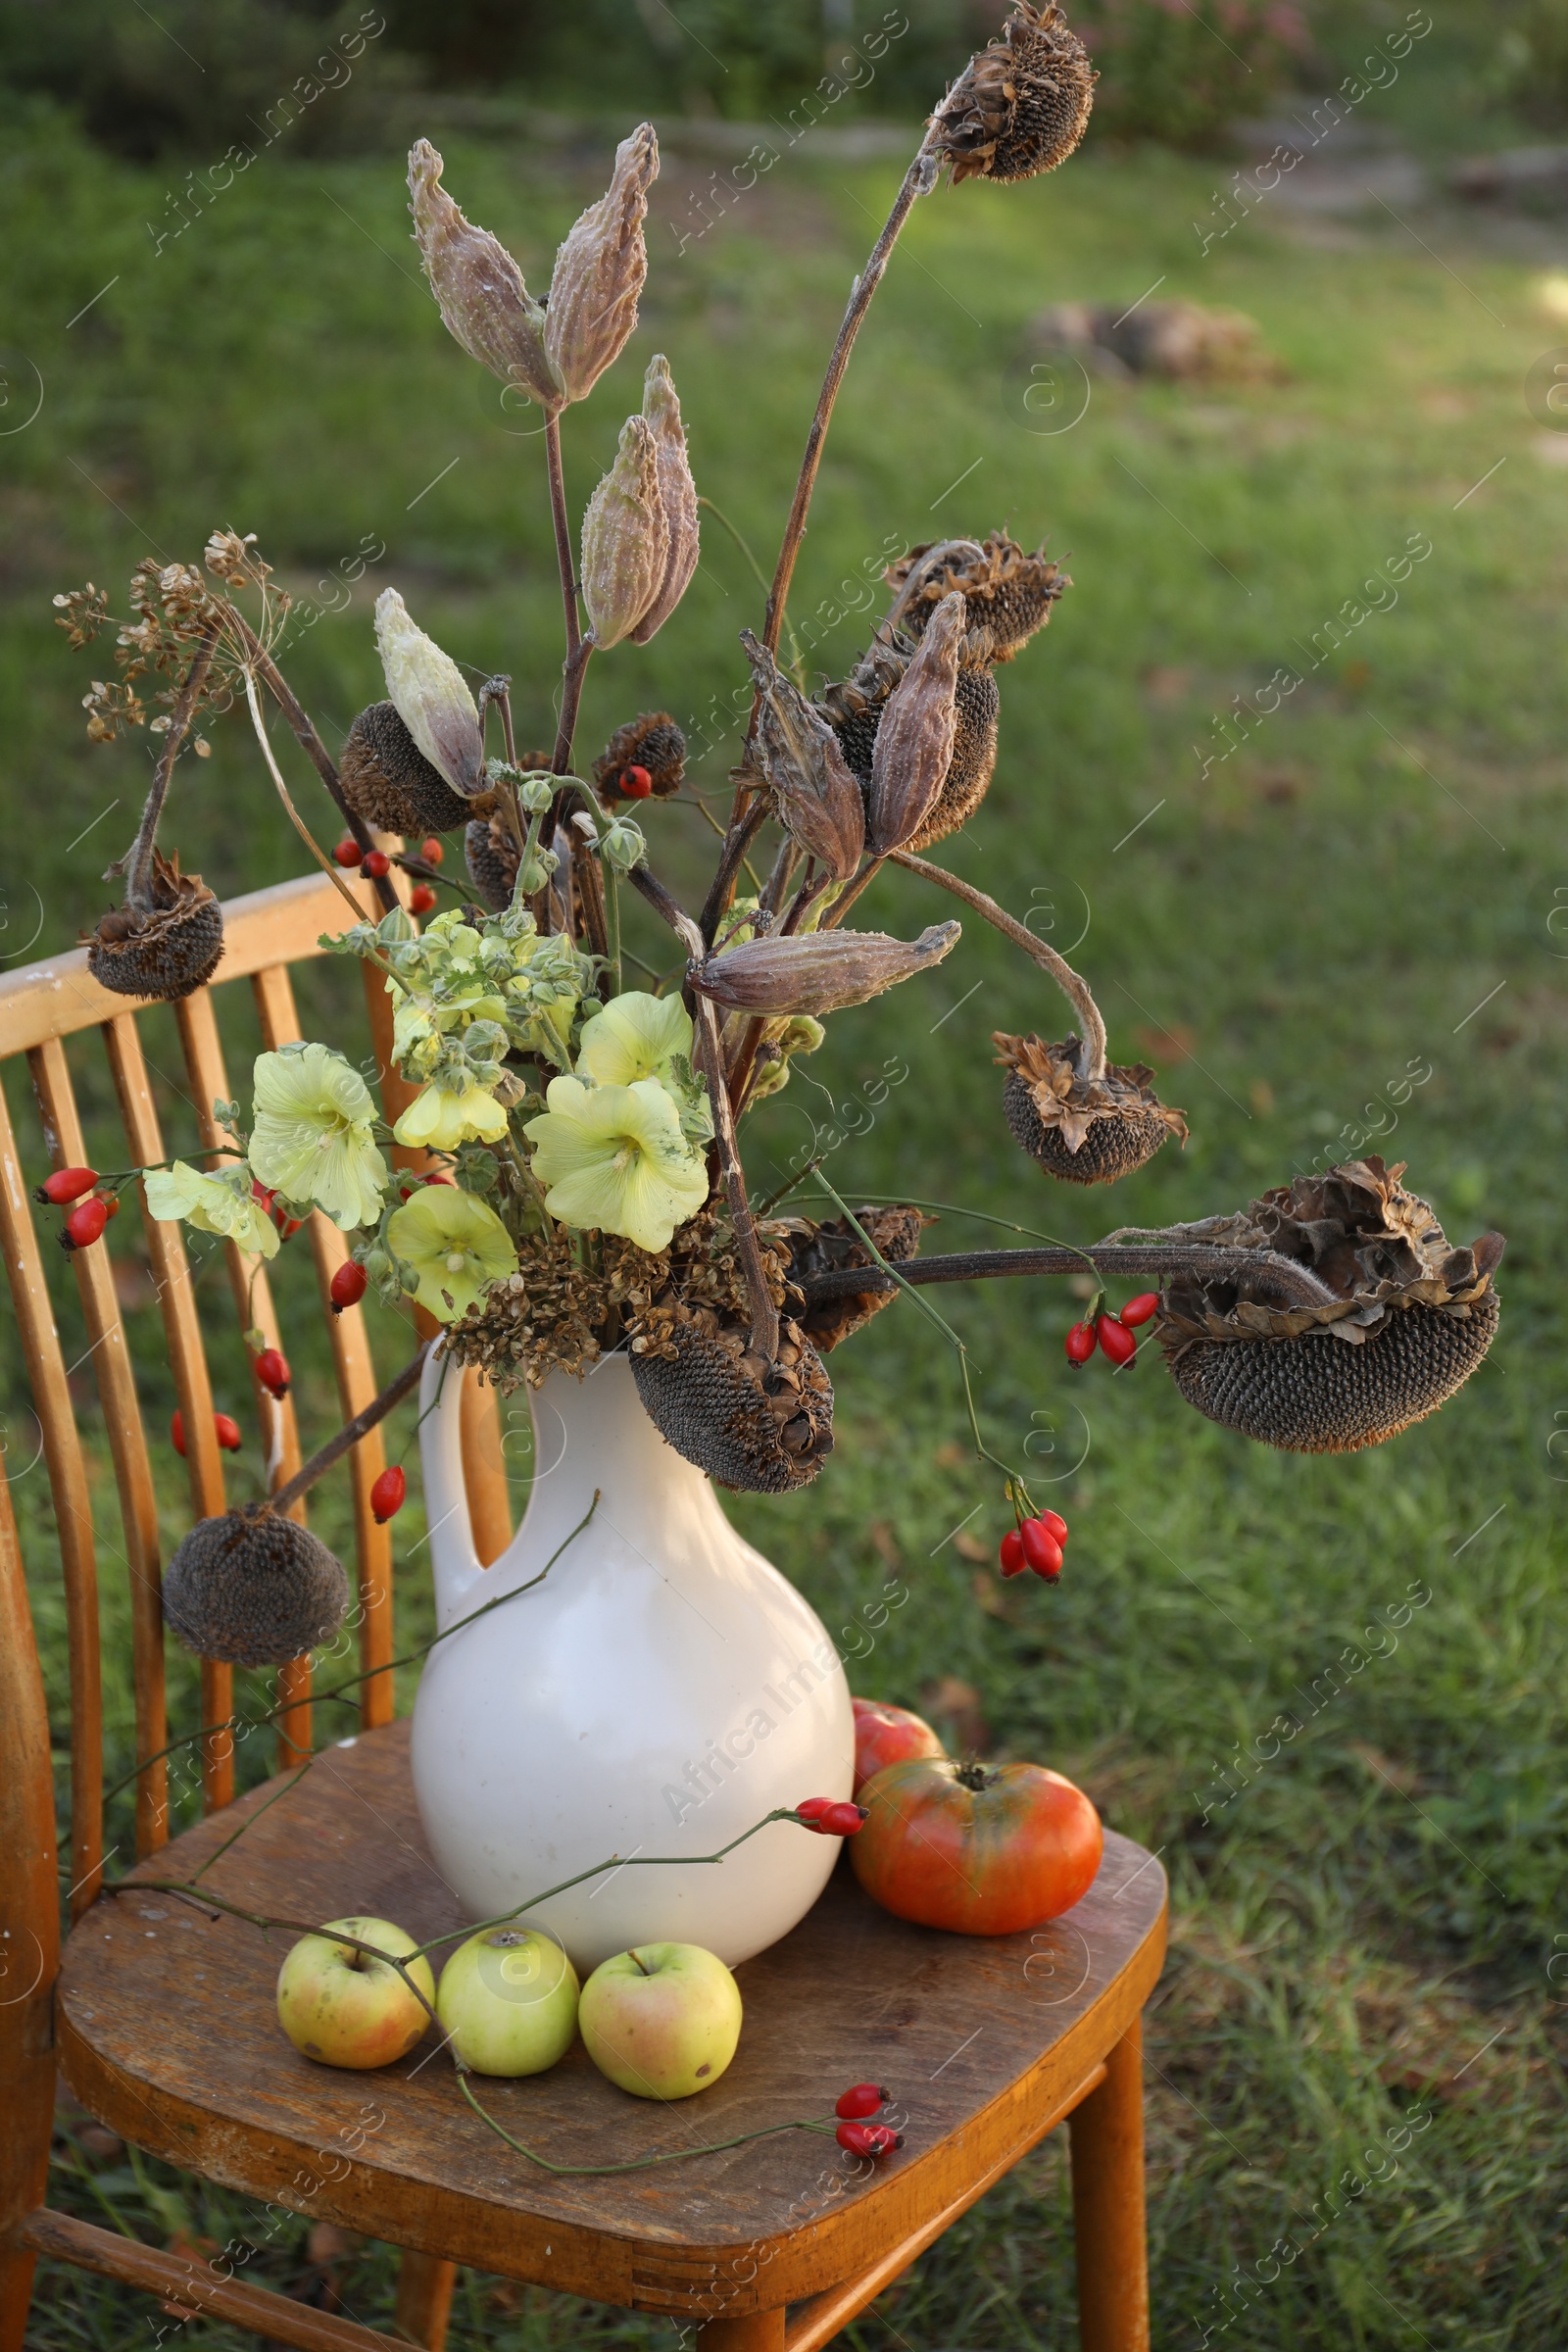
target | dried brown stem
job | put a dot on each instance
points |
(562, 524)
(1299, 1283)
(1092, 1050)
(139, 860)
(351, 1433)
(743, 831)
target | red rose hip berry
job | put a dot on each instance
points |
(387, 1494)
(348, 852)
(1139, 1310)
(347, 1286)
(85, 1224)
(869, 2139)
(858, 2101)
(375, 863)
(432, 851)
(1010, 1554)
(422, 898)
(1080, 1343)
(1117, 1340)
(65, 1186)
(1040, 1549)
(272, 1370)
(636, 783)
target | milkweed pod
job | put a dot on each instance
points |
(820, 972)
(479, 288)
(626, 538)
(677, 495)
(816, 797)
(600, 270)
(431, 695)
(913, 748)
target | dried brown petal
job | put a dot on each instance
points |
(816, 797)
(677, 493)
(915, 739)
(626, 538)
(600, 270)
(819, 973)
(479, 288)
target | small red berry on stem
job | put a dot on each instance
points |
(1139, 1310)
(1117, 1340)
(348, 852)
(387, 1494)
(85, 1224)
(347, 1286)
(272, 1370)
(1040, 1549)
(375, 863)
(812, 1808)
(1081, 1342)
(636, 783)
(422, 898)
(433, 851)
(66, 1185)
(286, 1225)
(1054, 1523)
(869, 2139)
(1010, 1554)
(226, 1429)
(860, 2100)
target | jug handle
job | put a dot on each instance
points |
(453, 1560)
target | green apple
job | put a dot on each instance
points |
(661, 2021)
(340, 2006)
(508, 2001)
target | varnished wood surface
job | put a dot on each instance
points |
(168, 2031)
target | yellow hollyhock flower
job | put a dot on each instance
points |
(219, 1204)
(456, 1244)
(314, 1137)
(636, 1036)
(444, 1116)
(614, 1156)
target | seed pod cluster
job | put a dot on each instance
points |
(1022, 105)
(815, 797)
(254, 1589)
(484, 304)
(819, 972)
(626, 538)
(763, 1428)
(600, 270)
(431, 695)
(165, 952)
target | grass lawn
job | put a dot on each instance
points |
(1370, 1926)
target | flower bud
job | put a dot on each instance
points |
(483, 300)
(913, 748)
(430, 694)
(626, 538)
(598, 272)
(677, 493)
(819, 972)
(816, 797)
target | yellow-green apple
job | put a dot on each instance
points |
(508, 2001)
(888, 1735)
(345, 2008)
(661, 2019)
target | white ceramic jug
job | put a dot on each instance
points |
(658, 1694)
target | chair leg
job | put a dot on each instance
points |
(758, 2331)
(1107, 2203)
(424, 2298)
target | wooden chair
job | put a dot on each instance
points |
(160, 2013)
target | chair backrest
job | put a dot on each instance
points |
(265, 933)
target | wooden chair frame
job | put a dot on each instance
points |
(1091, 2078)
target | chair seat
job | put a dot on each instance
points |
(168, 2033)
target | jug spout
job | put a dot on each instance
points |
(454, 1561)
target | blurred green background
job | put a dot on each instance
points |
(1368, 884)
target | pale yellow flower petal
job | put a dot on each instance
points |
(456, 1244)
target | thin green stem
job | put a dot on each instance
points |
(634, 2164)
(611, 883)
(219, 1852)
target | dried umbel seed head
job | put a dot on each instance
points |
(388, 781)
(432, 695)
(254, 1589)
(1004, 589)
(913, 747)
(600, 270)
(677, 495)
(823, 1249)
(1022, 105)
(626, 538)
(166, 953)
(817, 972)
(1084, 1130)
(763, 1428)
(815, 797)
(479, 288)
(1313, 1395)
(491, 857)
(854, 710)
(653, 742)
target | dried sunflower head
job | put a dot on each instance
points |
(388, 781)
(254, 1589)
(1085, 1130)
(823, 1249)
(1022, 105)
(167, 953)
(1004, 588)
(763, 1428)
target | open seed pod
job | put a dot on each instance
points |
(1085, 1130)
(822, 1249)
(1022, 105)
(168, 951)
(652, 741)
(855, 711)
(390, 784)
(1004, 589)
(1408, 1320)
(254, 1589)
(763, 1428)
